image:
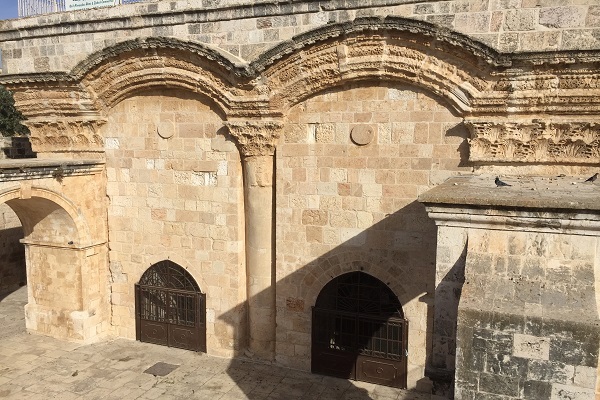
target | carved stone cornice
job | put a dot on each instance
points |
(534, 141)
(66, 135)
(256, 138)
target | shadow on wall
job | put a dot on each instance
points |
(12, 252)
(447, 292)
(16, 147)
(399, 251)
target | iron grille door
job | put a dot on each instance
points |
(382, 351)
(170, 309)
(359, 331)
(334, 344)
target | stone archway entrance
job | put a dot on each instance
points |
(359, 331)
(65, 260)
(170, 309)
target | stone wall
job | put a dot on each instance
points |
(349, 168)
(528, 318)
(175, 190)
(246, 30)
(519, 281)
(12, 252)
(343, 127)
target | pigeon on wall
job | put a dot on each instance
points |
(499, 183)
(592, 178)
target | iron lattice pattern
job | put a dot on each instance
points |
(357, 292)
(359, 314)
(28, 8)
(170, 309)
(167, 306)
(167, 274)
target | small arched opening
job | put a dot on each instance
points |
(170, 308)
(359, 331)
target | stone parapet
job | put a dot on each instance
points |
(532, 194)
(552, 25)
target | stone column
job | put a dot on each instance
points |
(257, 144)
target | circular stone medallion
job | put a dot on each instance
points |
(362, 134)
(165, 129)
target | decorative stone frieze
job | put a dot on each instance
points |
(256, 138)
(534, 141)
(66, 135)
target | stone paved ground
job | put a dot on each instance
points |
(36, 367)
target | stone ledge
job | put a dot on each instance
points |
(569, 193)
(45, 163)
(35, 168)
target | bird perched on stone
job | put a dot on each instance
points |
(592, 178)
(499, 183)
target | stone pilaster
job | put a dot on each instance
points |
(257, 141)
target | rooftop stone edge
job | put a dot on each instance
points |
(529, 192)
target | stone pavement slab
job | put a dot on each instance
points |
(36, 367)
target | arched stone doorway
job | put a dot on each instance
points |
(170, 308)
(65, 263)
(359, 331)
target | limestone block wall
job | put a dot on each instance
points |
(12, 252)
(350, 165)
(528, 316)
(58, 42)
(175, 192)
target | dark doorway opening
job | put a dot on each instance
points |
(170, 309)
(13, 273)
(359, 331)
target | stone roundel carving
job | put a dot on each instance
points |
(166, 129)
(362, 135)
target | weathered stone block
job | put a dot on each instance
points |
(499, 385)
(314, 217)
(520, 20)
(506, 365)
(531, 347)
(537, 390)
(562, 17)
(571, 392)
(549, 371)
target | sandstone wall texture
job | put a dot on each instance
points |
(528, 316)
(349, 168)
(175, 192)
